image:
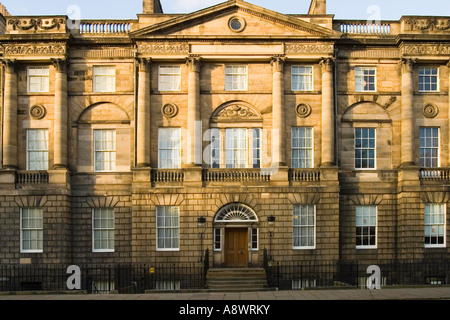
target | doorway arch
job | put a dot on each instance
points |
(236, 236)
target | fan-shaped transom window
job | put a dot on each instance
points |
(236, 212)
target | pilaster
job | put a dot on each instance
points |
(194, 139)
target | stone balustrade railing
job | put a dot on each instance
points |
(235, 175)
(304, 175)
(435, 174)
(364, 28)
(167, 175)
(100, 27)
(32, 177)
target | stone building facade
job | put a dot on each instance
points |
(314, 138)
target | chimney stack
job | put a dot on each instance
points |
(152, 6)
(318, 7)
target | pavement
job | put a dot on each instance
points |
(403, 293)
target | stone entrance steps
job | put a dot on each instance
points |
(236, 279)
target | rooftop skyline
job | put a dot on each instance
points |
(342, 9)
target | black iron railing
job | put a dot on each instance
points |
(103, 278)
(316, 274)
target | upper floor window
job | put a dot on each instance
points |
(105, 150)
(38, 79)
(365, 79)
(365, 147)
(169, 78)
(169, 148)
(435, 226)
(103, 229)
(302, 78)
(37, 149)
(236, 78)
(302, 147)
(429, 147)
(104, 79)
(31, 230)
(428, 79)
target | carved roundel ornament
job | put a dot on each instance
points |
(430, 110)
(169, 110)
(38, 111)
(303, 110)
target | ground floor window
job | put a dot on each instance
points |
(304, 227)
(31, 230)
(167, 228)
(366, 227)
(435, 225)
(103, 229)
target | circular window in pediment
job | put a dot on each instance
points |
(237, 24)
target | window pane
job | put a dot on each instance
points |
(235, 78)
(429, 147)
(169, 148)
(104, 79)
(365, 79)
(366, 222)
(169, 78)
(104, 150)
(302, 78)
(434, 229)
(365, 146)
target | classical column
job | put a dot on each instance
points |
(10, 116)
(143, 114)
(194, 121)
(407, 132)
(278, 125)
(328, 130)
(61, 115)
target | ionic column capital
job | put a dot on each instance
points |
(60, 65)
(194, 63)
(10, 65)
(144, 64)
(327, 64)
(407, 65)
(277, 63)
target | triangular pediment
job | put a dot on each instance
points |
(214, 22)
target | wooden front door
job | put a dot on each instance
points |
(236, 247)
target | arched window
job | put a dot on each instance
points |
(236, 212)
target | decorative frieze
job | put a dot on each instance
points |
(178, 48)
(32, 49)
(425, 49)
(309, 48)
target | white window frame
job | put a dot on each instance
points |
(234, 79)
(109, 77)
(306, 149)
(218, 242)
(161, 214)
(360, 75)
(305, 78)
(44, 151)
(44, 79)
(169, 81)
(366, 149)
(112, 152)
(366, 225)
(297, 217)
(428, 76)
(174, 140)
(35, 230)
(423, 160)
(254, 243)
(108, 229)
(430, 224)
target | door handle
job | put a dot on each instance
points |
(241, 252)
